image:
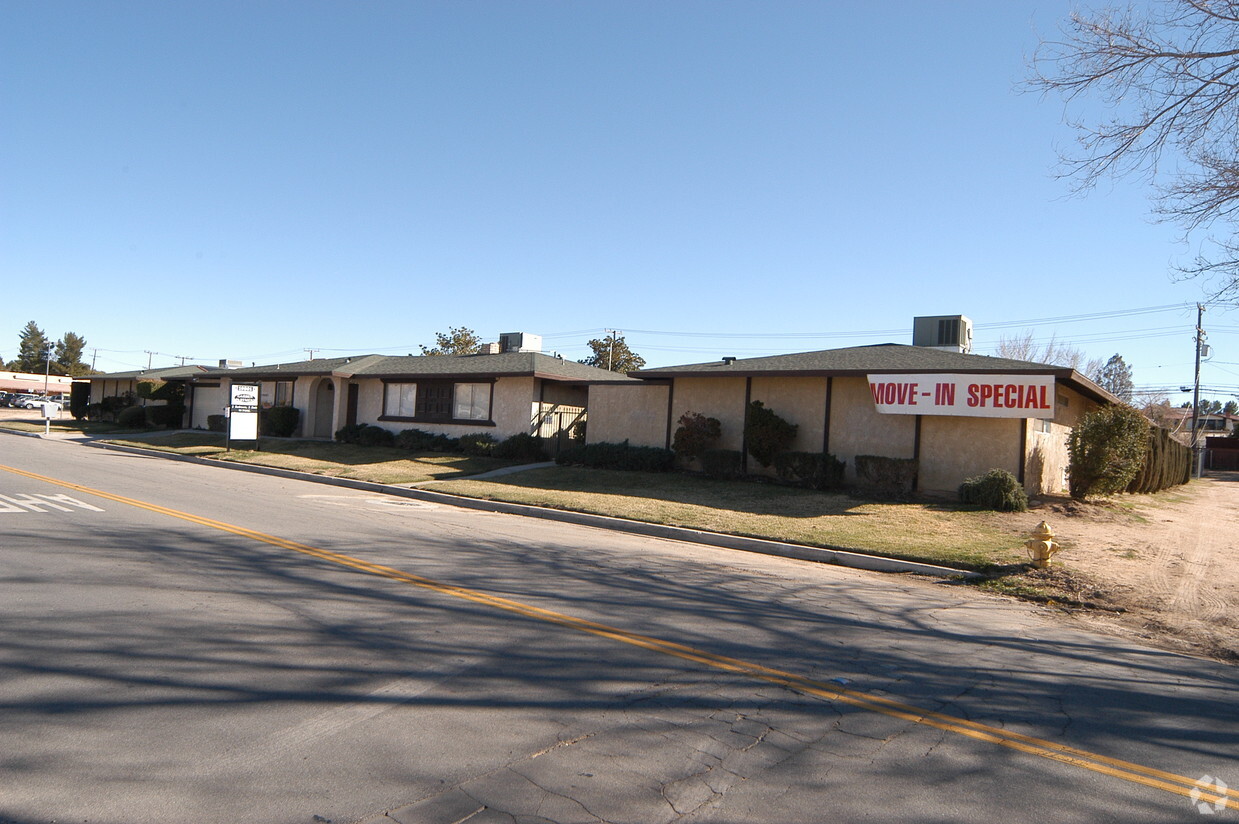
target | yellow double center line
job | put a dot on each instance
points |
(1136, 773)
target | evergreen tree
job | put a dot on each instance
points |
(33, 349)
(69, 355)
(1115, 378)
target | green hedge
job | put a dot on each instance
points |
(364, 434)
(815, 470)
(170, 415)
(723, 464)
(1167, 463)
(521, 447)
(419, 440)
(618, 456)
(894, 477)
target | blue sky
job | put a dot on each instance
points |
(249, 180)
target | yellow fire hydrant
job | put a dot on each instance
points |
(1041, 545)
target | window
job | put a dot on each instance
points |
(434, 401)
(276, 393)
(400, 400)
(437, 402)
(472, 402)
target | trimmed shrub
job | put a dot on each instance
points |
(217, 423)
(113, 405)
(477, 443)
(893, 477)
(695, 435)
(170, 415)
(280, 421)
(520, 447)
(722, 464)
(419, 440)
(815, 470)
(997, 489)
(350, 433)
(375, 436)
(766, 434)
(1107, 448)
(133, 417)
(619, 456)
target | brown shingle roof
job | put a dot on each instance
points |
(508, 364)
(883, 358)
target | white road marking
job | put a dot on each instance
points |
(41, 503)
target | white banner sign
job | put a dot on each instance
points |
(974, 396)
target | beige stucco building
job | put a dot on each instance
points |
(500, 394)
(958, 415)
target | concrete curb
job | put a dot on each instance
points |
(841, 557)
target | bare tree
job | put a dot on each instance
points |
(1167, 74)
(1026, 348)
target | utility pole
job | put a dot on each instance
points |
(611, 353)
(1200, 342)
(94, 357)
(311, 351)
(149, 355)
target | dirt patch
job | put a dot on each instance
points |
(1161, 568)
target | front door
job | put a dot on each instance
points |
(324, 403)
(350, 413)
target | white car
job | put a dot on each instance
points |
(37, 403)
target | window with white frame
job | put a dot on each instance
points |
(400, 400)
(471, 402)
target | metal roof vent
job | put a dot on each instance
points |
(520, 342)
(951, 333)
(728, 360)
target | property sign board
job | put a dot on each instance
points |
(243, 413)
(244, 397)
(973, 396)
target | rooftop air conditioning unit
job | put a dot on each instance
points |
(948, 332)
(231, 364)
(520, 342)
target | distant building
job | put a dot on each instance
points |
(29, 383)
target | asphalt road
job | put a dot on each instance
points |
(182, 643)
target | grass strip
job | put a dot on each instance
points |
(930, 533)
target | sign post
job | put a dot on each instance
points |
(243, 414)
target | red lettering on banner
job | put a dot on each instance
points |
(887, 394)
